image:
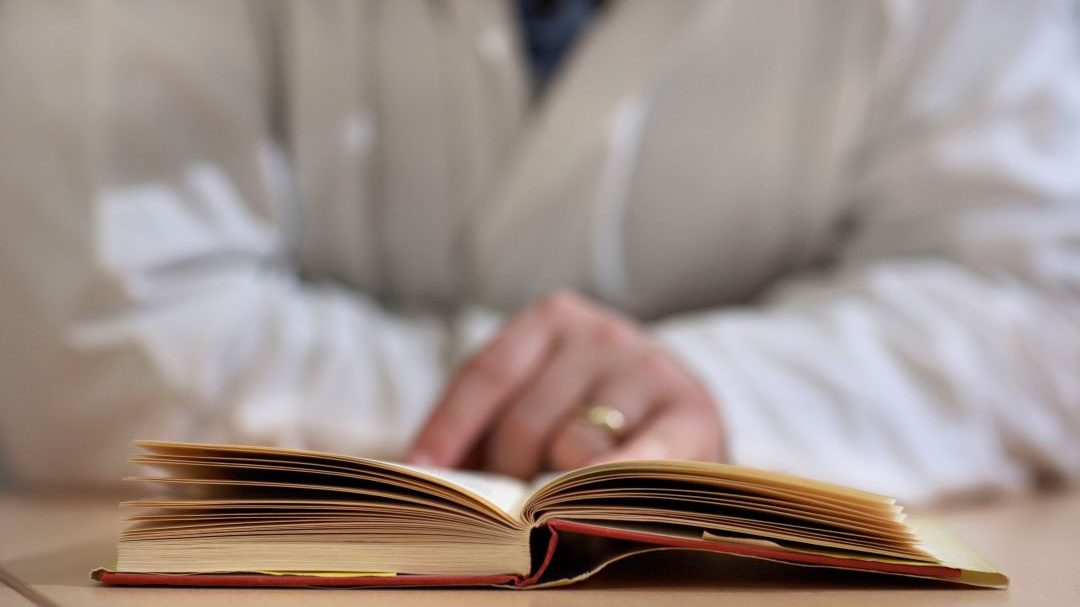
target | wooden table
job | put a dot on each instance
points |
(51, 542)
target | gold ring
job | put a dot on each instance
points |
(611, 421)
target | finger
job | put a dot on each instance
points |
(474, 459)
(672, 434)
(577, 442)
(520, 437)
(470, 403)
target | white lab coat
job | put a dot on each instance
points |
(858, 222)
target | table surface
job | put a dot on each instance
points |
(51, 542)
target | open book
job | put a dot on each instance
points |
(257, 516)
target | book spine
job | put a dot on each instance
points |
(543, 541)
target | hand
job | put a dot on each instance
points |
(519, 400)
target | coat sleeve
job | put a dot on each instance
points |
(940, 354)
(144, 255)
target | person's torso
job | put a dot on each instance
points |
(686, 155)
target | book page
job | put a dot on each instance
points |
(947, 547)
(727, 500)
(499, 494)
(503, 492)
(814, 490)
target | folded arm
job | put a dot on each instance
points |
(940, 355)
(144, 255)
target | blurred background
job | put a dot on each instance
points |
(846, 234)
